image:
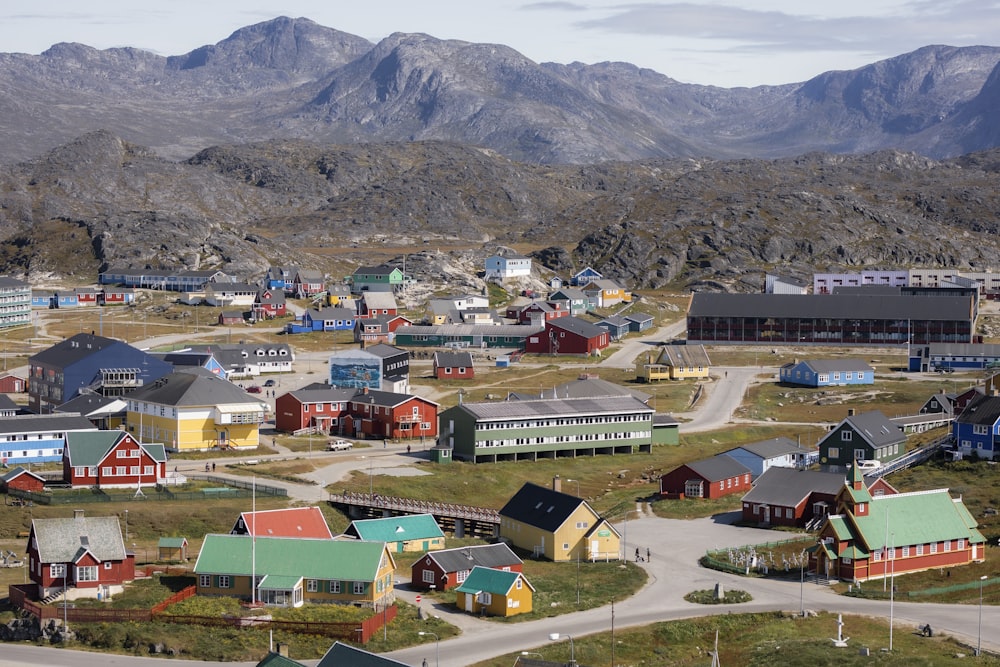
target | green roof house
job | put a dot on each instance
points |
(413, 532)
(495, 592)
(112, 459)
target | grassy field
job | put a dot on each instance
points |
(757, 640)
(882, 359)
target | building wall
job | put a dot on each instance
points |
(835, 451)
(193, 429)
(674, 482)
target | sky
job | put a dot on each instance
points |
(714, 42)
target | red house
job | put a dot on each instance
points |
(382, 414)
(22, 480)
(538, 312)
(373, 304)
(86, 555)
(11, 384)
(290, 522)
(319, 407)
(112, 459)
(709, 478)
(378, 329)
(568, 335)
(448, 365)
(448, 568)
(269, 303)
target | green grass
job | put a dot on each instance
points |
(142, 593)
(758, 640)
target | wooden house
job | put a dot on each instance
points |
(713, 477)
(172, 549)
(403, 533)
(443, 570)
(494, 593)
(22, 480)
(674, 362)
(827, 372)
(307, 522)
(112, 460)
(865, 437)
(453, 365)
(568, 335)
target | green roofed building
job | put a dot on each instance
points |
(412, 532)
(495, 592)
(112, 459)
(874, 537)
(291, 571)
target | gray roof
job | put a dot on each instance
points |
(833, 365)
(718, 467)
(500, 330)
(453, 359)
(665, 420)
(378, 299)
(615, 320)
(192, 386)
(585, 388)
(638, 317)
(52, 423)
(17, 472)
(7, 281)
(541, 507)
(73, 349)
(65, 540)
(568, 294)
(91, 404)
(577, 326)
(964, 349)
(464, 558)
(380, 270)
(323, 395)
(7, 403)
(788, 487)
(341, 654)
(684, 356)
(386, 398)
(385, 351)
(769, 449)
(876, 428)
(332, 313)
(834, 306)
(981, 410)
(502, 410)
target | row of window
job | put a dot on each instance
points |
(563, 421)
(322, 407)
(919, 549)
(833, 453)
(312, 585)
(560, 439)
(82, 572)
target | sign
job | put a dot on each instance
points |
(418, 599)
(604, 533)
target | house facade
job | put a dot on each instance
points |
(977, 430)
(28, 439)
(509, 336)
(230, 295)
(269, 303)
(401, 534)
(606, 293)
(307, 283)
(22, 480)
(674, 362)
(445, 569)
(494, 593)
(453, 365)
(713, 477)
(15, 302)
(792, 497)
(568, 335)
(507, 265)
(327, 319)
(293, 571)
(776, 452)
(382, 414)
(827, 372)
(869, 436)
(321, 408)
(112, 460)
(373, 304)
(378, 329)
(557, 526)
(366, 278)
(572, 299)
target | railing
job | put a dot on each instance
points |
(411, 506)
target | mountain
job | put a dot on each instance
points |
(293, 79)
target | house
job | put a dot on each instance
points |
(571, 299)
(558, 526)
(291, 571)
(831, 319)
(112, 460)
(269, 303)
(457, 365)
(8, 408)
(230, 294)
(443, 570)
(537, 312)
(172, 549)
(792, 497)
(22, 480)
(322, 409)
(192, 410)
(373, 304)
(329, 319)
(506, 336)
(639, 322)
(494, 593)
(942, 403)
(871, 537)
(508, 264)
(674, 362)
(568, 335)
(774, 284)
(372, 278)
(606, 293)
(403, 533)
(12, 384)
(307, 283)
(246, 360)
(16, 297)
(865, 437)
(307, 522)
(193, 359)
(280, 278)
(713, 477)
(585, 276)
(528, 430)
(378, 329)
(108, 366)
(38, 438)
(955, 356)
(81, 557)
(231, 317)
(116, 296)
(977, 430)
(776, 452)
(827, 372)
(378, 366)
(616, 326)
(383, 414)
(163, 279)
(86, 296)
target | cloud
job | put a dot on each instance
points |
(555, 6)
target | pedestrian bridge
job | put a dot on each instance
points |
(460, 520)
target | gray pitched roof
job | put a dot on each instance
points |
(385, 351)
(192, 386)
(964, 349)
(65, 540)
(386, 398)
(787, 487)
(453, 359)
(834, 306)
(585, 387)
(981, 410)
(52, 423)
(835, 365)
(684, 356)
(553, 407)
(325, 394)
(340, 654)
(577, 326)
(73, 349)
(718, 467)
(464, 558)
(541, 507)
(769, 449)
(876, 428)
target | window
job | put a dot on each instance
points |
(934, 547)
(980, 429)
(205, 580)
(517, 584)
(877, 555)
(462, 575)
(906, 552)
(427, 576)
(846, 435)
(86, 573)
(947, 545)
(920, 550)
(359, 588)
(107, 565)
(312, 586)
(859, 455)
(833, 452)
(223, 581)
(582, 525)
(960, 543)
(334, 587)
(565, 546)
(57, 570)
(789, 513)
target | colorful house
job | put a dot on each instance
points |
(977, 430)
(617, 326)
(606, 293)
(322, 408)
(307, 282)
(404, 533)
(674, 362)
(585, 276)
(865, 437)
(16, 296)
(500, 266)
(568, 335)
(86, 556)
(292, 571)
(558, 526)
(791, 497)
(827, 372)
(191, 410)
(373, 304)
(374, 277)
(713, 477)
(269, 303)
(172, 549)
(495, 593)
(378, 329)
(307, 522)
(383, 414)
(780, 452)
(112, 460)
(572, 299)
(639, 322)
(328, 319)
(453, 365)
(871, 537)
(443, 570)
(22, 480)
(38, 438)
(12, 384)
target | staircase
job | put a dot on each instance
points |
(52, 597)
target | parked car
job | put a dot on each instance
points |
(270, 383)
(869, 465)
(254, 389)
(339, 445)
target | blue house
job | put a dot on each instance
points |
(38, 438)
(827, 372)
(777, 452)
(616, 326)
(585, 277)
(329, 319)
(279, 278)
(639, 321)
(977, 429)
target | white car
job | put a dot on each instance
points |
(870, 465)
(339, 445)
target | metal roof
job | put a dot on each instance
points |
(577, 326)
(769, 449)
(53, 423)
(788, 487)
(462, 558)
(963, 350)
(569, 407)
(348, 560)
(193, 386)
(684, 356)
(718, 467)
(542, 507)
(981, 410)
(876, 428)
(396, 528)
(833, 306)
(488, 580)
(833, 365)
(453, 359)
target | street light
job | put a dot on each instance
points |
(126, 524)
(437, 646)
(979, 642)
(577, 486)
(555, 636)
(524, 654)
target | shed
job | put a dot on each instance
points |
(495, 592)
(23, 480)
(172, 548)
(440, 454)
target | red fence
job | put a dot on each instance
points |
(182, 594)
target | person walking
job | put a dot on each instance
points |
(647, 554)
(637, 556)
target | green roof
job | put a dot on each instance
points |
(279, 582)
(276, 660)
(397, 528)
(919, 517)
(346, 560)
(840, 528)
(171, 542)
(854, 552)
(88, 448)
(485, 579)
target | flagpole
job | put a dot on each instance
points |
(253, 543)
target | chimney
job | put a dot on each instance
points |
(77, 514)
(283, 649)
(850, 412)
(364, 390)
(557, 484)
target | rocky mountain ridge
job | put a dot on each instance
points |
(292, 78)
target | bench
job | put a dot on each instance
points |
(24, 533)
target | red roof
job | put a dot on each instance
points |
(293, 522)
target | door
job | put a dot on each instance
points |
(595, 549)
(765, 514)
(468, 601)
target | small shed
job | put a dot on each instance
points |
(230, 317)
(172, 548)
(440, 454)
(12, 384)
(23, 480)
(495, 593)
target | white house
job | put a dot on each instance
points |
(509, 265)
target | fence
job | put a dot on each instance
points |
(971, 585)
(754, 563)
(238, 489)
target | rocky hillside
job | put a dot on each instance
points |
(698, 224)
(291, 78)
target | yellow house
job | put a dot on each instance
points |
(558, 526)
(294, 570)
(193, 409)
(674, 362)
(495, 592)
(606, 292)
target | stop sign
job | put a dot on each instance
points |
(418, 599)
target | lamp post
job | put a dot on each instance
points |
(525, 654)
(802, 585)
(577, 486)
(555, 636)
(126, 524)
(979, 642)
(437, 646)
(892, 582)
